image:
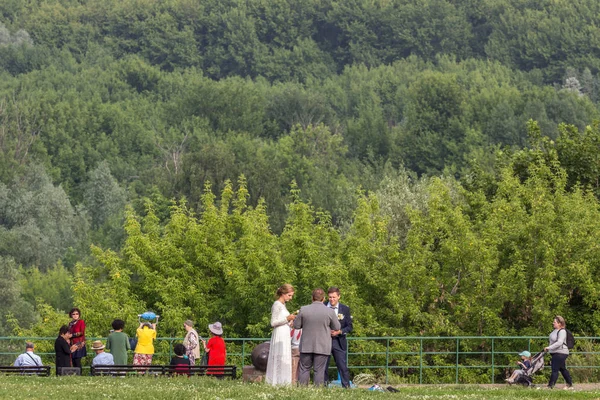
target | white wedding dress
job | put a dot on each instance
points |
(279, 366)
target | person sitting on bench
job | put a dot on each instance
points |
(28, 359)
(180, 362)
(102, 357)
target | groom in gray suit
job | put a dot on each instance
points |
(316, 321)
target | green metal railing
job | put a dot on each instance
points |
(414, 359)
(488, 359)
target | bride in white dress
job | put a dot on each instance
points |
(279, 366)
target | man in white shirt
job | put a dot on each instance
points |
(28, 359)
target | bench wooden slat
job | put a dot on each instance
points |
(43, 370)
(199, 370)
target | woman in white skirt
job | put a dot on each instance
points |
(279, 366)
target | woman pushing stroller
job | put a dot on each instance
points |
(559, 350)
(561, 341)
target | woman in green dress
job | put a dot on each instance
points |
(118, 343)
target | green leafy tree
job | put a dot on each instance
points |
(104, 201)
(53, 287)
(104, 292)
(434, 133)
(39, 226)
(311, 247)
(16, 311)
(577, 152)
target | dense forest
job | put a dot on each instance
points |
(437, 159)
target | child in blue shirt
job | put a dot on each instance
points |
(525, 364)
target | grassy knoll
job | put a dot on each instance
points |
(206, 388)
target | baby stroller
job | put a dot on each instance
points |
(537, 363)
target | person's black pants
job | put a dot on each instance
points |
(559, 364)
(339, 356)
(77, 362)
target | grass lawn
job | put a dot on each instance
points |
(207, 388)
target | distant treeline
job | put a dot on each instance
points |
(303, 40)
(175, 130)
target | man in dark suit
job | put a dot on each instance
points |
(339, 344)
(317, 322)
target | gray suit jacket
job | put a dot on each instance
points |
(316, 321)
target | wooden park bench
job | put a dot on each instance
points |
(167, 370)
(43, 370)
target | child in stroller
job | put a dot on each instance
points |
(524, 376)
(525, 364)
